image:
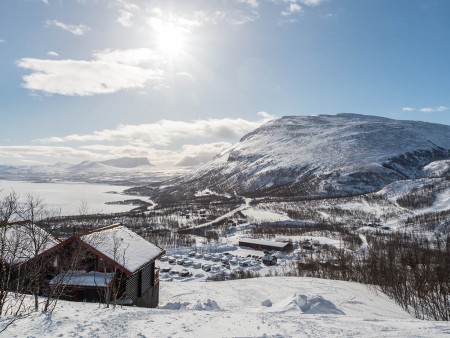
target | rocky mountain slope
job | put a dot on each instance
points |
(318, 156)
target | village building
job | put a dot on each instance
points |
(260, 244)
(269, 260)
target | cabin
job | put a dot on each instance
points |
(260, 244)
(110, 264)
(269, 260)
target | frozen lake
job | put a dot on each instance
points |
(68, 197)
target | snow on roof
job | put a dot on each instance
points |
(262, 242)
(25, 241)
(83, 278)
(123, 246)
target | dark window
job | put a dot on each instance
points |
(140, 283)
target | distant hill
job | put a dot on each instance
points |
(128, 162)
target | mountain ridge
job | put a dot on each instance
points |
(323, 155)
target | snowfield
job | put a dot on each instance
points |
(258, 307)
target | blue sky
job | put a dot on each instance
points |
(97, 79)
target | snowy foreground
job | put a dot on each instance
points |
(259, 307)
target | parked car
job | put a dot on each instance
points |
(233, 261)
(206, 267)
(180, 261)
(192, 254)
(187, 262)
(196, 265)
(207, 256)
(185, 273)
(166, 269)
(216, 268)
(164, 259)
(172, 260)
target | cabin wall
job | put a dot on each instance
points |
(142, 288)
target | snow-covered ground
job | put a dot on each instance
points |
(259, 307)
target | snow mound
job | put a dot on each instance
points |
(206, 305)
(314, 305)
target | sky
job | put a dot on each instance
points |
(100, 79)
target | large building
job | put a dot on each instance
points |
(261, 244)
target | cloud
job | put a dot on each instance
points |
(159, 141)
(312, 2)
(52, 53)
(164, 132)
(74, 29)
(109, 71)
(432, 110)
(426, 109)
(2, 41)
(292, 8)
(50, 151)
(125, 18)
(251, 3)
(126, 4)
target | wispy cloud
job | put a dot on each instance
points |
(291, 9)
(251, 3)
(50, 151)
(109, 71)
(52, 53)
(164, 132)
(312, 2)
(2, 41)
(432, 110)
(74, 29)
(125, 18)
(426, 109)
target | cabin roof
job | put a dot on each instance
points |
(24, 242)
(123, 246)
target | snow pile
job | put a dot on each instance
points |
(314, 305)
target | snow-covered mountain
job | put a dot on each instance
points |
(322, 155)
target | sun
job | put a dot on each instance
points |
(170, 39)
